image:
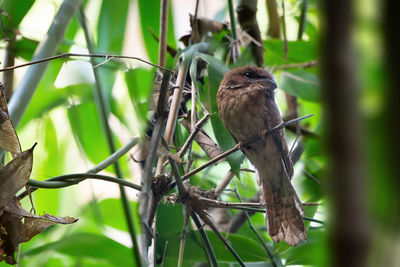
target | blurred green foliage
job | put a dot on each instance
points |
(66, 124)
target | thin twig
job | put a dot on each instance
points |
(104, 111)
(99, 167)
(212, 260)
(270, 255)
(232, 19)
(75, 178)
(303, 65)
(237, 147)
(183, 239)
(285, 41)
(225, 182)
(203, 215)
(235, 44)
(162, 48)
(195, 38)
(173, 112)
(151, 157)
(108, 56)
(192, 135)
(308, 174)
(164, 253)
(181, 188)
(114, 156)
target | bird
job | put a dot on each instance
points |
(247, 107)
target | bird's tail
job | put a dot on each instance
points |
(284, 213)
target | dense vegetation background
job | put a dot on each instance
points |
(333, 59)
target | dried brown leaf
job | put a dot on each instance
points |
(14, 176)
(205, 142)
(18, 225)
(9, 140)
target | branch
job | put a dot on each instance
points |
(274, 25)
(162, 48)
(75, 178)
(303, 65)
(150, 159)
(103, 108)
(270, 255)
(173, 112)
(99, 167)
(212, 260)
(107, 58)
(114, 156)
(237, 147)
(192, 135)
(246, 11)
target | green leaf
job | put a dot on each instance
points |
(88, 245)
(248, 249)
(208, 94)
(140, 84)
(16, 11)
(308, 253)
(310, 212)
(169, 219)
(48, 97)
(53, 164)
(301, 84)
(25, 48)
(88, 131)
(111, 209)
(299, 51)
(111, 34)
(149, 11)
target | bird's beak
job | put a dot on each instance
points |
(270, 82)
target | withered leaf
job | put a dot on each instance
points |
(9, 140)
(14, 176)
(205, 142)
(18, 225)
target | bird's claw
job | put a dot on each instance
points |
(240, 145)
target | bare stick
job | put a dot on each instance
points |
(99, 167)
(203, 215)
(303, 65)
(212, 260)
(285, 41)
(192, 135)
(151, 156)
(162, 51)
(225, 182)
(75, 178)
(270, 255)
(237, 147)
(183, 239)
(114, 156)
(108, 57)
(173, 112)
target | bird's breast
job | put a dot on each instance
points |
(242, 112)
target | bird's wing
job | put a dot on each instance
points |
(272, 119)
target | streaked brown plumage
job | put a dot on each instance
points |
(247, 107)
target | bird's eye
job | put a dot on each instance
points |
(250, 75)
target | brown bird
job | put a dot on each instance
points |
(247, 107)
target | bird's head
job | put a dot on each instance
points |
(246, 76)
